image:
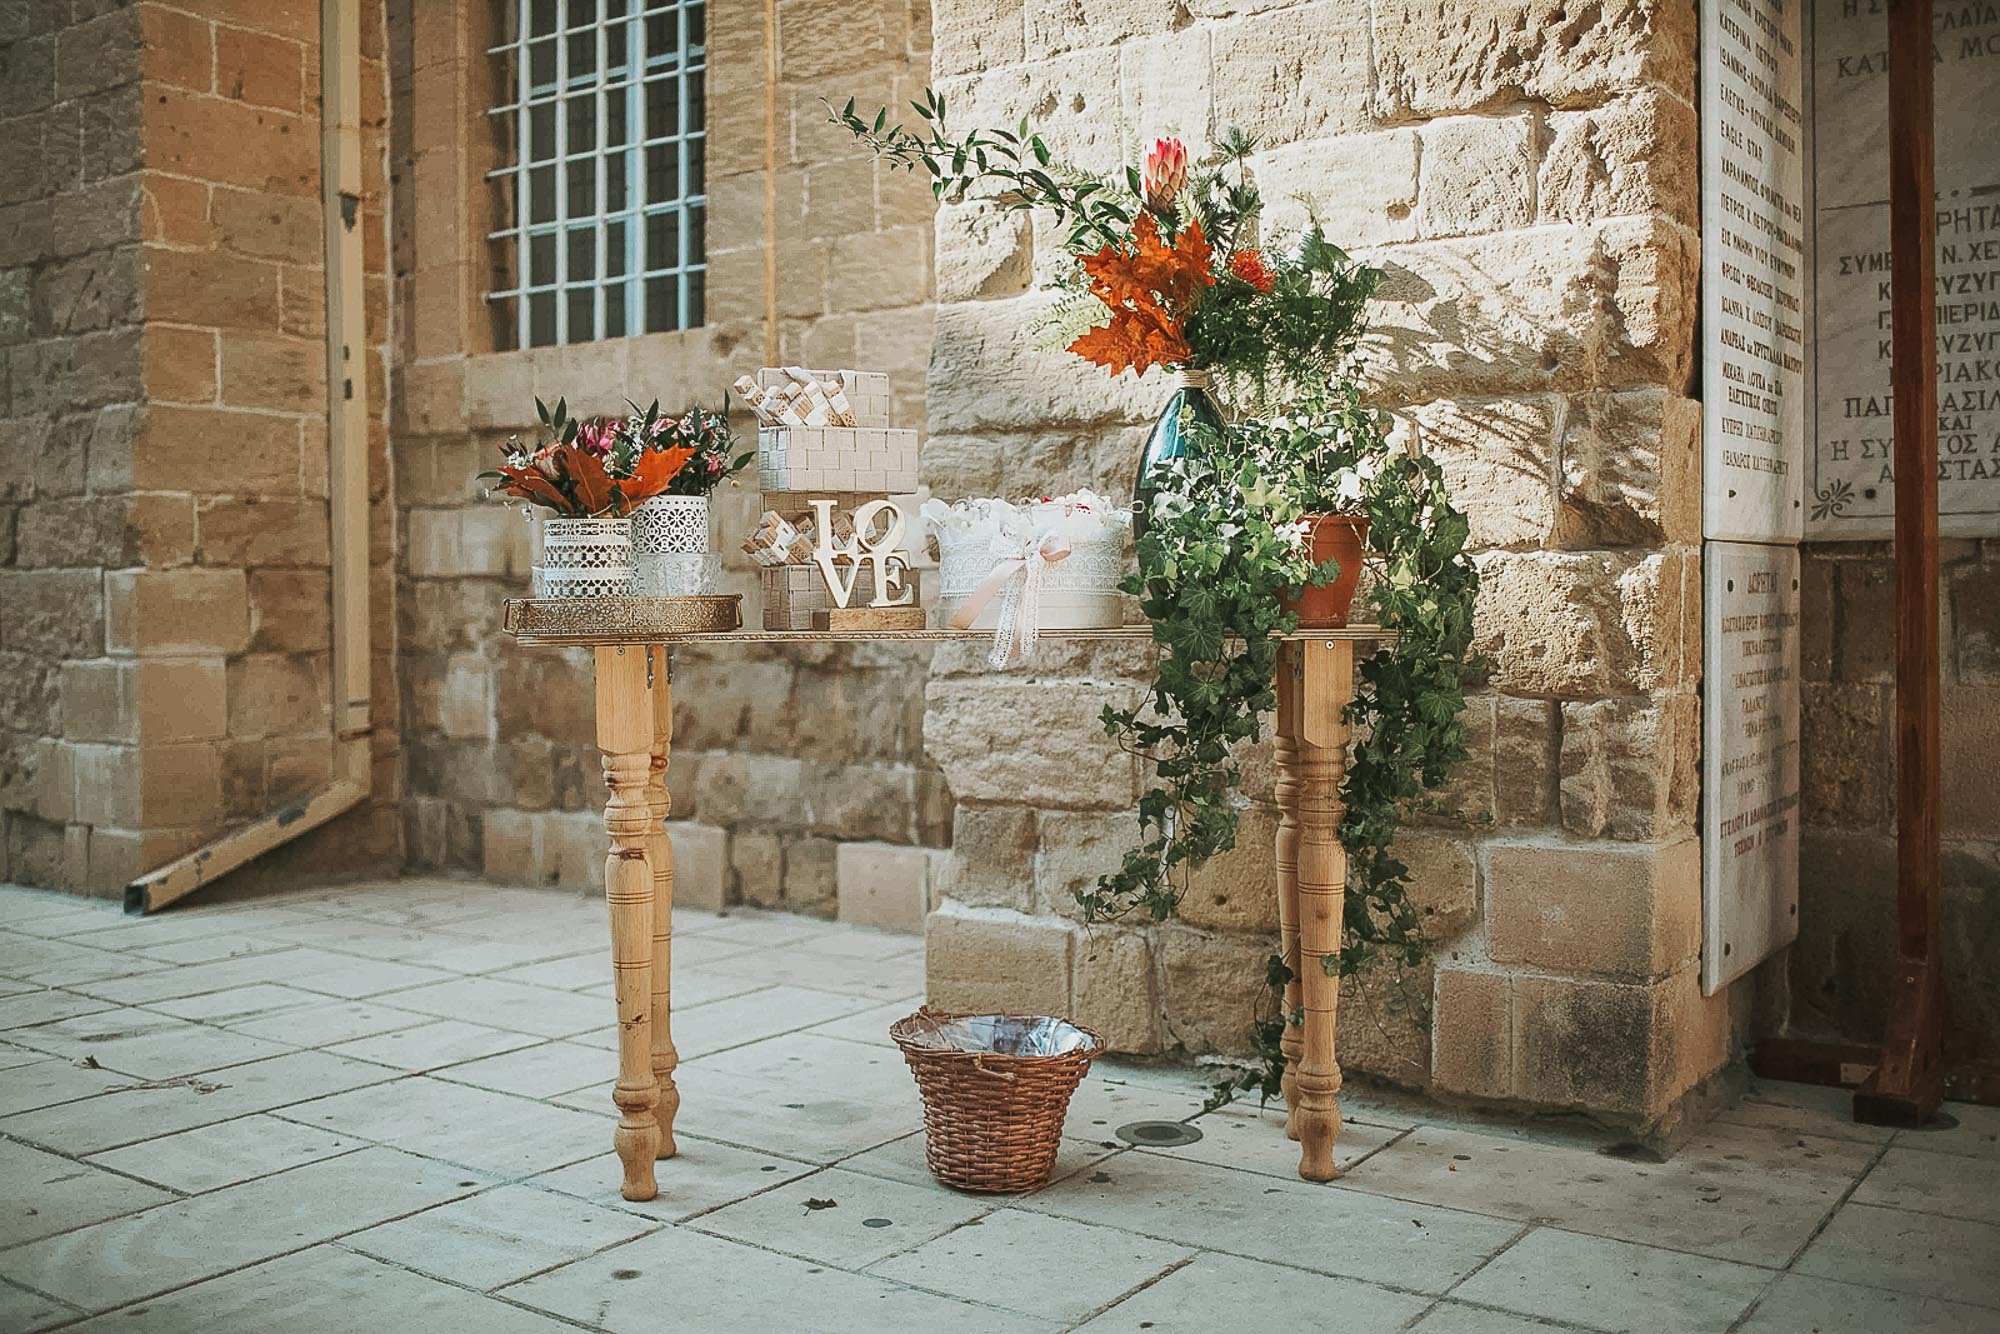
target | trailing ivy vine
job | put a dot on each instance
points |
(1223, 546)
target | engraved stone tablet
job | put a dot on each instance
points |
(1753, 269)
(1850, 483)
(1750, 757)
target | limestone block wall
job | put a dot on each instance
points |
(166, 599)
(798, 779)
(1840, 967)
(70, 312)
(1524, 172)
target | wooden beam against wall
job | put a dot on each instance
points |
(1906, 1088)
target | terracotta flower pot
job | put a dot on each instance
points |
(1341, 537)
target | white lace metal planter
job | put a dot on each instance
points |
(676, 574)
(670, 554)
(584, 558)
(671, 526)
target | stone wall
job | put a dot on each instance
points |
(1840, 967)
(70, 310)
(167, 613)
(1525, 175)
(794, 775)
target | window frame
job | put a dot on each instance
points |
(645, 296)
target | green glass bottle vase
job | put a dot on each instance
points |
(1172, 438)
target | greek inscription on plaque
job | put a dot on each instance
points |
(1852, 481)
(1753, 269)
(1750, 756)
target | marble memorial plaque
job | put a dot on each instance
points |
(1754, 270)
(1850, 482)
(1750, 757)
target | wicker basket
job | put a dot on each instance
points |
(992, 1121)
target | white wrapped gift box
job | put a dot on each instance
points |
(993, 540)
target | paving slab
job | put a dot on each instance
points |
(1975, 1133)
(1800, 1304)
(1803, 1109)
(325, 1023)
(1419, 1248)
(816, 1123)
(435, 1045)
(1615, 1285)
(1214, 1292)
(1449, 1317)
(509, 1005)
(1742, 1193)
(870, 1026)
(1054, 1268)
(46, 1194)
(324, 1290)
(112, 1263)
(498, 1236)
(542, 1071)
(478, 1128)
(41, 1080)
(25, 1009)
(23, 1312)
(146, 1111)
(1927, 1255)
(1251, 1142)
(146, 1044)
(679, 1278)
(1933, 1183)
(879, 979)
(235, 1004)
(700, 1178)
(226, 1153)
(842, 1218)
(750, 1017)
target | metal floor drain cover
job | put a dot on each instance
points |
(1158, 1134)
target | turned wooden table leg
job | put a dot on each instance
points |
(1285, 743)
(1324, 685)
(625, 735)
(660, 855)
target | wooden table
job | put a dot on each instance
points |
(631, 638)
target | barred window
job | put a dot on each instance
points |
(600, 118)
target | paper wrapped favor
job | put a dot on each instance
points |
(1019, 569)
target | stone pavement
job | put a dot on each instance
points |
(385, 1107)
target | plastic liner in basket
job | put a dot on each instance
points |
(995, 1088)
(1005, 1034)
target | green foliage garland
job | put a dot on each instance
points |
(1221, 550)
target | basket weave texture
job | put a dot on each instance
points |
(992, 1122)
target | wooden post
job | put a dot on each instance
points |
(1285, 748)
(625, 735)
(660, 856)
(1310, 769)
(1906, 1087)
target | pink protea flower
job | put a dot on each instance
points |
(595, 436)
(1166, 174)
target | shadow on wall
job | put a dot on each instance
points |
(1840, 966)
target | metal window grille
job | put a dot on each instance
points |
(601, 127)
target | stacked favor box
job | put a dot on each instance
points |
(823, 457)
(824, 435)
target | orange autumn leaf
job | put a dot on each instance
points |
(528, 484)
(1149, 288)
(655, 473)
(594, 492)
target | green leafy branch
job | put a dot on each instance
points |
(1094, 212)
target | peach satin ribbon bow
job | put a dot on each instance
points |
(1017, 580)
